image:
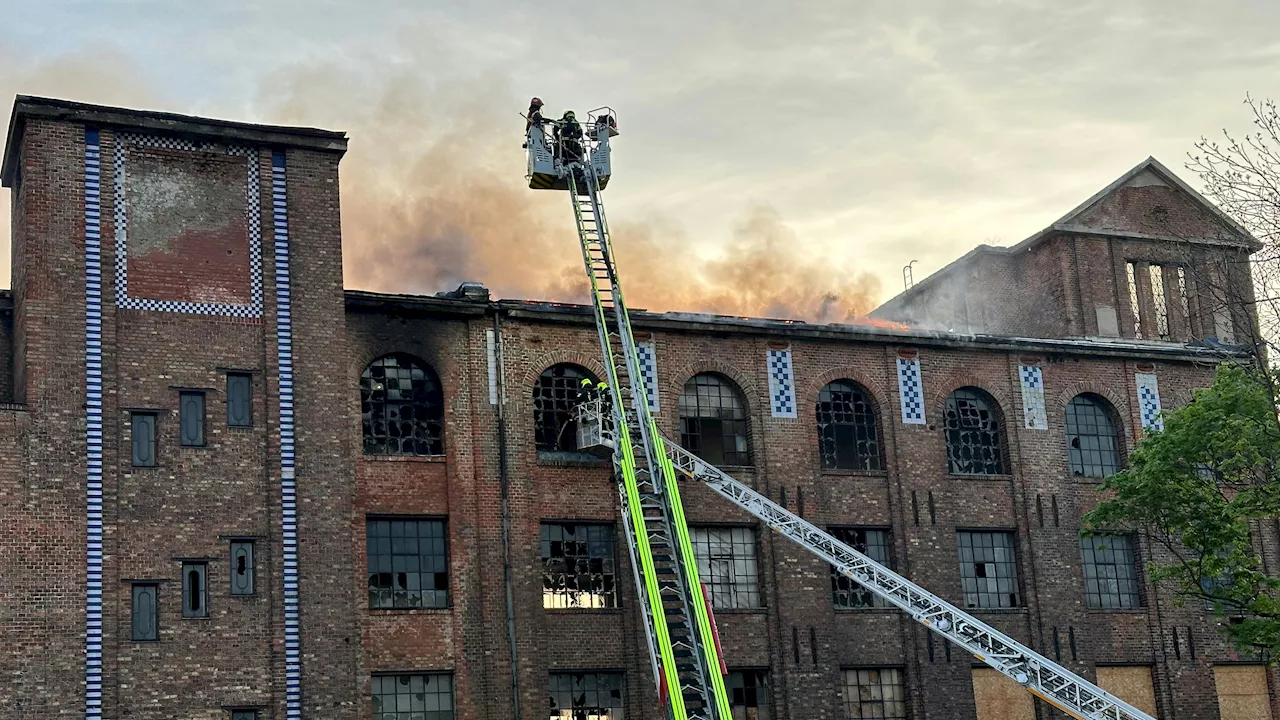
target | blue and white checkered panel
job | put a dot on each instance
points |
(1034, 416)
(93, 422)
(1149, 401)
(910, 391)
(288, 481)
(648, 358)
(782, 384)
(252, 195)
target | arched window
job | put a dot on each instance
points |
(713, 420)
(1093, 445)
(975, 438)
(403, 407)
(848, 433)
(554, 395)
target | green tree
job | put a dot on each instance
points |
(1195, 491)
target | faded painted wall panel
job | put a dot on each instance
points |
(996, 697)
(1130, 683)
(188, 228)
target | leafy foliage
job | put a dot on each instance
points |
(1194, 490)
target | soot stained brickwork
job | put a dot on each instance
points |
(488, 636)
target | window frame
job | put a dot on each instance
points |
(149, 418)
(155, 611)
(610, 599)
(995, 413)
(1070, 418)
(621, 687)
(853, 589)
(185, 421)
(446, 553)
(566, 435)
(195, 602)
(871, 461)
(1019, 599)
(754, 591)
(1088, 547)
(848, 689)
(251, 563)
(248, 399)
(763, 689)
(375, 697)
(432, 405)
(692, 433)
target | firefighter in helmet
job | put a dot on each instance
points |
(568, 136)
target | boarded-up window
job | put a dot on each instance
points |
(1130, 683)
(239, 391)
(142, 429)
(1242, 692)
(145, 612)
(191, 414)
(996, 697)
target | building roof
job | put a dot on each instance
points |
(1068, 224)
(454, 305)
(27, 107)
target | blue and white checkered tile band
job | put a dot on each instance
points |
(910, 391)
(1034, 416)
(93, 422)
(1149, 401)
(649, 372)
(782, 384)
(254, 308)
(288, 483)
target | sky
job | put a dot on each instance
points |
(778, 159)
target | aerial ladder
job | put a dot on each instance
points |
(683, 648)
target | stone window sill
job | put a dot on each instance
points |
(411, 611)
(583, 611)
(405, 458)
(855, 473)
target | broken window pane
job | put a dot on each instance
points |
(713, 420)
(988, 569)
(1110, 572)
(578, 566)
(748, 694)
(555, 395)
(727, 565)
(1156, 273)
(586, 696)
(413, 697)
(191, 418)
(870, 542)
(408, 563)
(975, 438)
(848, 433)
(242, 567)
(1093, 446)
(402, 406)
(194, 593)
(874, 693)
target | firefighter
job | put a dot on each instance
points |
(533, 119)
(568, 136)
(585, 391)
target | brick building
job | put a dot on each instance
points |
(235, 490)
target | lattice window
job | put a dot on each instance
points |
(848, 432)
(988, 569)
(713, 420)
(578, 567)
(1159, 300)
(586, 696)
(727, 565)
(874, 693)
(975, 436)
(413, 697)
(403, 407)
(408, 563)
(870, 542)
(1110, 572)
(1135, 307)
(555, 394)
(748, 694)
(1093, 445)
